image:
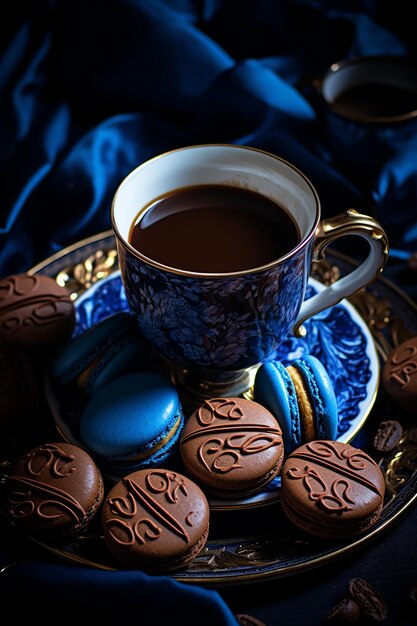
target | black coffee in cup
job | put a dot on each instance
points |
(375, 100)
(372, 89)
(192, 208)
(214, 229)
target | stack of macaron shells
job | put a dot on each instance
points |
(301, 396)
(111, 348)
(133, 422)
(131, 416)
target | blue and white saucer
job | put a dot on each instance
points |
(339, 337)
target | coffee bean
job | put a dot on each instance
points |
(388, 435)
(368, 599)
(344, 612)
(248, 620)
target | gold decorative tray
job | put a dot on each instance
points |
(259, 542)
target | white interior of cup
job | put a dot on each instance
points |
(394, 72)
(216, 164)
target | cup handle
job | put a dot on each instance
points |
(349, 223)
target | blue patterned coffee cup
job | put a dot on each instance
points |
(217, 328)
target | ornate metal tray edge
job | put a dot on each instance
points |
(391, 317)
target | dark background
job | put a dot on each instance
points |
(90, 89)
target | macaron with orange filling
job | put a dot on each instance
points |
(301, 396)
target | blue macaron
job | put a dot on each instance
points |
(111, 348)
(301, 396)
(132, 423)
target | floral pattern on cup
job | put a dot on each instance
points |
(333, 336)
(226, 324)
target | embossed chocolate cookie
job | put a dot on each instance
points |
(232, 447)
(35, 311)
(399, 375)
(55, 489)
(156, 520)
(331, 489)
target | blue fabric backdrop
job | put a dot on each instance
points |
(90, 88)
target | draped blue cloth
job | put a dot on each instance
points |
(119, 597)
(90, 88)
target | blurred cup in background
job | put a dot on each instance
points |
(370, 110)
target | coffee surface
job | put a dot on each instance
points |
(214, 229)
(376, 100)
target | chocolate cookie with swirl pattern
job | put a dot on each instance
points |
(156, 520)
(36, 313)
(332, 490)
(232, 447)
(54, 490)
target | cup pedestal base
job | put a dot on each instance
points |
(194, 389)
